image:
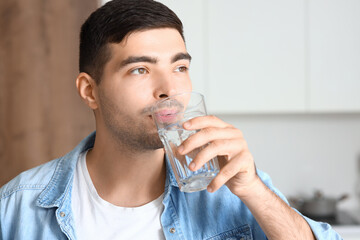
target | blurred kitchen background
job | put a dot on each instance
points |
(285, 72)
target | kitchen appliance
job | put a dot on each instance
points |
(339, 219)
(320, 206)
(324, 209)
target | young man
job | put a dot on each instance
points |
(117, 184)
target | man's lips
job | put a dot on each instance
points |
(166, 115)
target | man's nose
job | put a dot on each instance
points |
(165, 86)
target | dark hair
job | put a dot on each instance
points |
(114, 21)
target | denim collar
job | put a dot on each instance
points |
(60, 185)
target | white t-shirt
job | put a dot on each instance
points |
(96, 218)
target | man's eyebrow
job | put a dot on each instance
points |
(136, 59)
(181, 56)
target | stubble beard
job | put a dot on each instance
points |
(135, 135)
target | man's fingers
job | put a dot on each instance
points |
(222, 147)
(204, 122)
(207, 135)
(240, 164)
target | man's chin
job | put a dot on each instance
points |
(158, 145)
(154, 142)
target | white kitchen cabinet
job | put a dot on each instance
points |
(191, 13)
(255, 56)
(334, 55)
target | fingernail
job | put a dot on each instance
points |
(187, 125)
(192, 166)
(180, 149)
(209, 189)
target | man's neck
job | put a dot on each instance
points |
(125, 177)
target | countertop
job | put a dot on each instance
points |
(350, 232)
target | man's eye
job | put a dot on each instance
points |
(181, 69)
(139, 71)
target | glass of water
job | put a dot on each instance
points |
(169, 115)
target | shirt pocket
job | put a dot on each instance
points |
(240, 233)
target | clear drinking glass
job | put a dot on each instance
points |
(169, 115)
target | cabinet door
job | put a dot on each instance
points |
(334, 31)
(255, 56)
(191, 13)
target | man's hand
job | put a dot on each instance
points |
(238, 172)
(225, 141)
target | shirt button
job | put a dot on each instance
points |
(172, 230)
(62, 214)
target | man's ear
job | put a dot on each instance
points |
(86, 87)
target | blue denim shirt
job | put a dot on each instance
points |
(37, 205)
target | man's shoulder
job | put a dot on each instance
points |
(36, 178)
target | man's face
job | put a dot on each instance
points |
(145, 67)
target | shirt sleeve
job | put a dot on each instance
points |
(321, 230)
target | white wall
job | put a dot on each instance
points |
(303, 152)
